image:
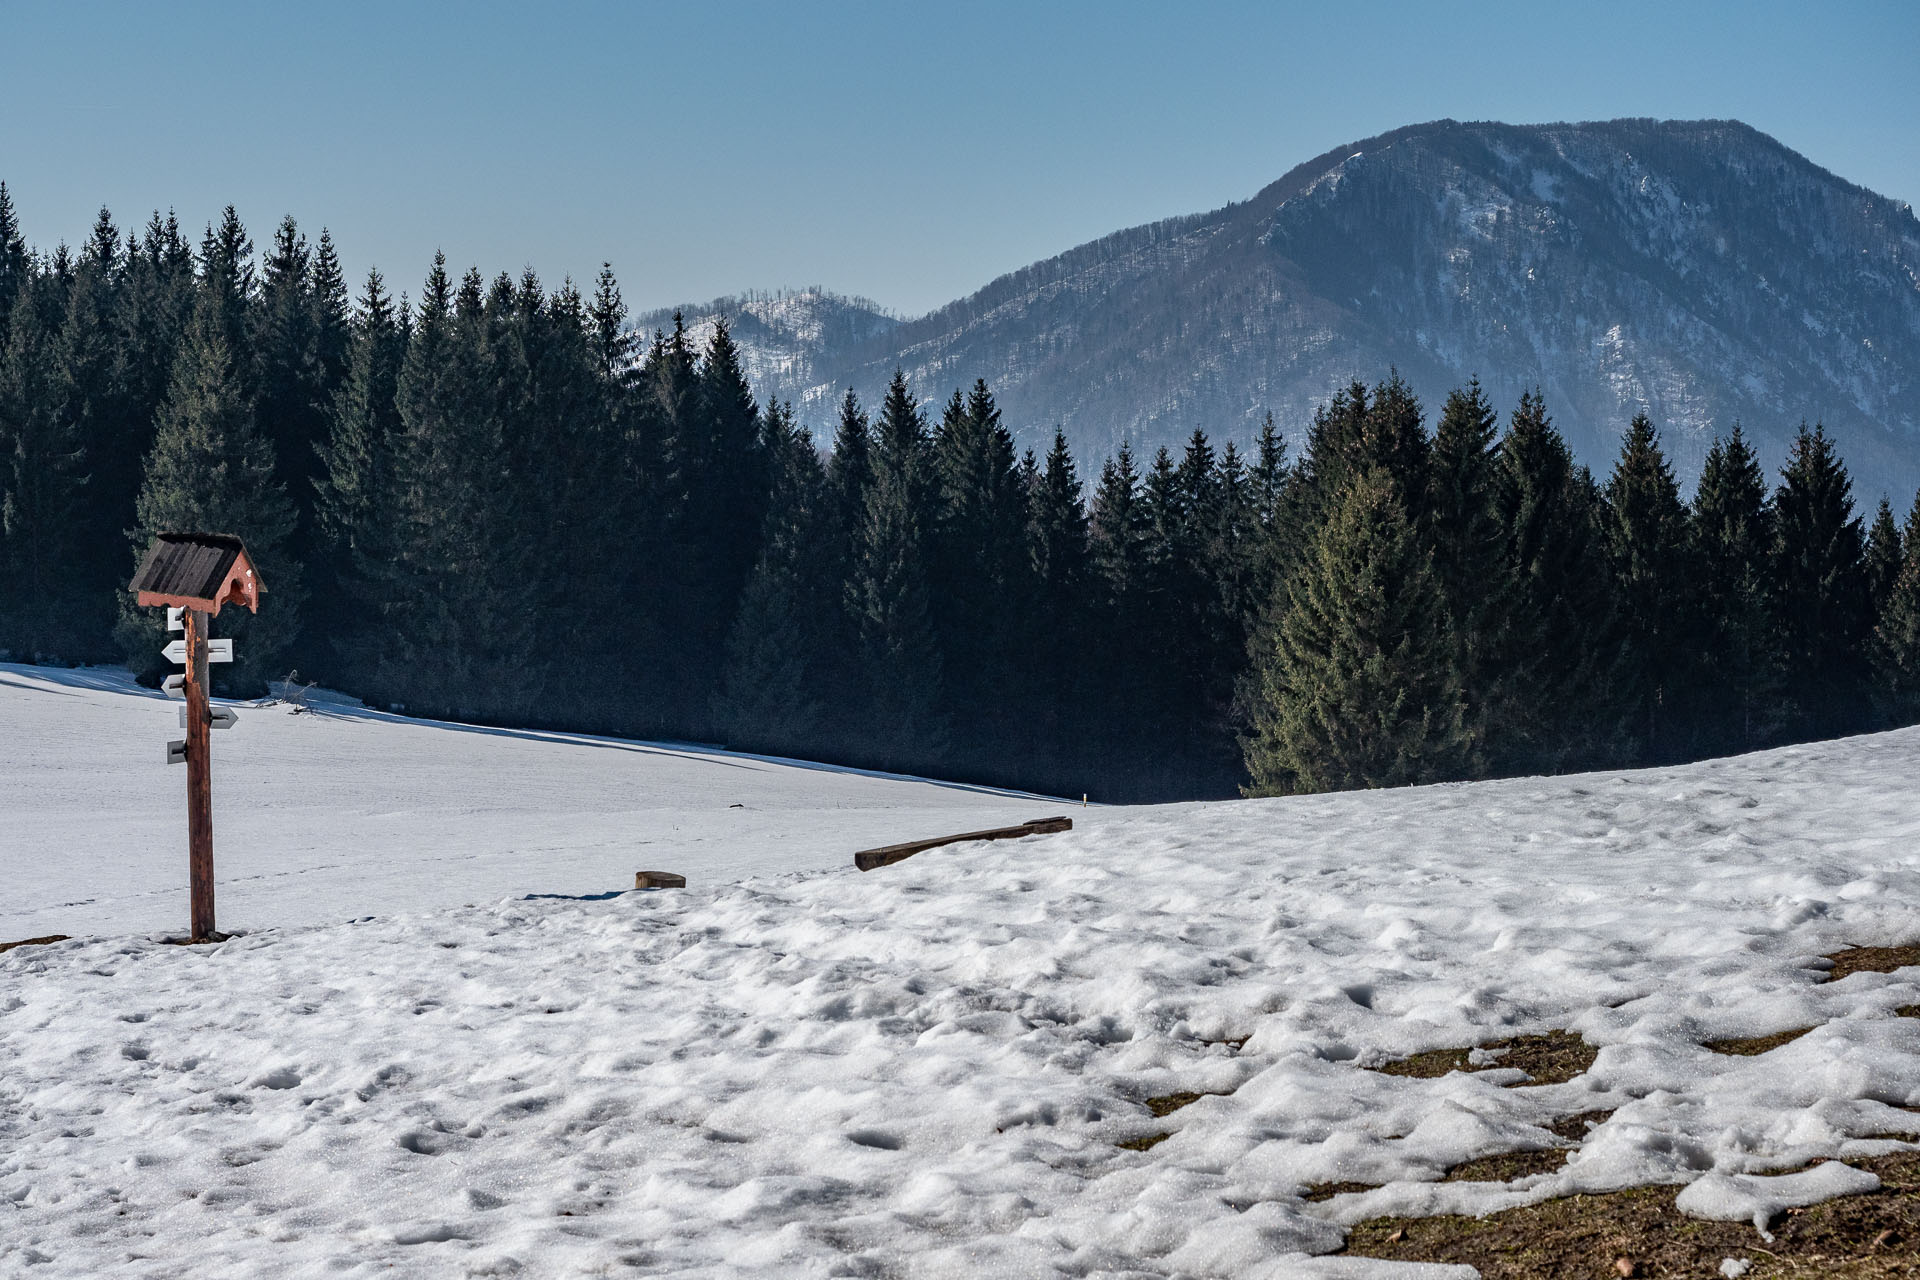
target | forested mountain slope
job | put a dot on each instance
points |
(1698, 271)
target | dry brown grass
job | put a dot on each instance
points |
(1553, 1058)
(1868, 1237)
(1164, 1105)
(1146, 1143)
(1757, 1044)
(1872, 960)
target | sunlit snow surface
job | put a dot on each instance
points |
(924, 1070)
(346, 812)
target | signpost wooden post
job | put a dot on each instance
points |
(199, 779)
(194, 575)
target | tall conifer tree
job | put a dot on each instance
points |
(979, 576)
(887, 593)
(1057, 536)
(779, 647)
(1896, 638)
(356, 502)
(1738, 706)
(1649, 547)
(15, 262)
(1360, 688)
(211, 470)
(43, 496)
(1823, 603)
(1560, 648)
(1881, 559)
(1470, 545)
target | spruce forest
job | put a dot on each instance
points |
(496, 503)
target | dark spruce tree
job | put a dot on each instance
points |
(1649, 546)
(1560, 649)
(358, 536)
(781, 643)
(229, 284)
(1470, 546)
(1881, 559)
(461, 625)
(156, 303)
(1119, 662)
(886, 594)
(92, 356)
(1822, 598)
(1896, 639)
(1395, 440)
(1172, 604)
(979, 580)
(292, 400)
(726, 495)
(211, 470)
(1058, 635)
(1738, 707)
(1359, 688)
(1270, 485)
(15, 261)
(46, 596)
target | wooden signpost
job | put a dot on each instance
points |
(194, 575)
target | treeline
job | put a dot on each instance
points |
(497, 503)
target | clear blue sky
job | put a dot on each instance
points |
(905, 151)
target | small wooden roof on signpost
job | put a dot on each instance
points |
(198, 571)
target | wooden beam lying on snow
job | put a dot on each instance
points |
(868, 859)
(34, 942)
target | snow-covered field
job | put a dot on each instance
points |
(920, 1071)
(347, 812)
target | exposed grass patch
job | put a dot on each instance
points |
(1576, 1127)
(1553, 1058)
(1164, 1105)
(33, 942)
(1866, 1237)
(1505, 1166)
(1328, 1190)
(1908, 1011)
(1147, 1143)
(1872, 960)
(1168, 1103)
(1757, 1044)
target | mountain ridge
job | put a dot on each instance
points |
(1699, 271)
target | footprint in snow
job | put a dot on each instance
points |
(878, 1139)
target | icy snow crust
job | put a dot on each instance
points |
(924, 1070)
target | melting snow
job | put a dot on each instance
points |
(925, 1070)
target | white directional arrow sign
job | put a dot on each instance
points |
(174, 686)
(173, 619)
(177, 751)
(217, 717)
(217, 651)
